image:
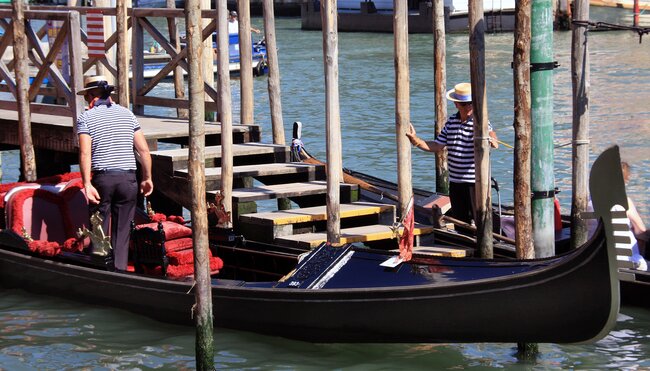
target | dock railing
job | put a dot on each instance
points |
(75, 37)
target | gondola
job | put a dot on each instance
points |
(635, 284)
(348, 294)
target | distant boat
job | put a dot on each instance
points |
(376, 16)
(258, 52)
(626, 4)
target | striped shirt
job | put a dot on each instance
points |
(111, 130)
(458, 137)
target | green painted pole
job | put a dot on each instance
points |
(542, 175)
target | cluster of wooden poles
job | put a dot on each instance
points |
(533, 125)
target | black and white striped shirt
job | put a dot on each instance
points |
(111, 130)
(458, 137)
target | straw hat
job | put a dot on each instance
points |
(92, 82)
(460, 93)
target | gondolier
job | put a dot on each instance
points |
(108, 134)
(458, 137)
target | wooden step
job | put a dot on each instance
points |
(269, 192)
(349, 235)
(268, 226)
(452, 252)
(171, 160)
(307, 172)
(316, 213)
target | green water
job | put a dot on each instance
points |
(44, 333)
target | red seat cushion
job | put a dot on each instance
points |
(172, 230)
(178, 244)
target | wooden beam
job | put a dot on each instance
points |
(28, 160)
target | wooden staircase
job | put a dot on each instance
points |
(264, 172)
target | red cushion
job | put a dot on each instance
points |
(43, 214)
(188, 269)
(183, 256)
(172, 230)
(178, 244)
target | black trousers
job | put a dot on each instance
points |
(461, 196)
(118, 192)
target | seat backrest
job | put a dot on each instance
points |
(74, 195)
(149, 247)
(43, 215)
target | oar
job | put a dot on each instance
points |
(505, 144)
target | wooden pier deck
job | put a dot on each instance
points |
(54, 132)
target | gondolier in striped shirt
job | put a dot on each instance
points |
(458, 137)
(108, 135)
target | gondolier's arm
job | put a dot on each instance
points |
(422, 144)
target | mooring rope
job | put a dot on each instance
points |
(612, 26)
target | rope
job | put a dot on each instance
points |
(611, 26)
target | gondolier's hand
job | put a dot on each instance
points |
(412, 136)
(146, 187)
(92, 194)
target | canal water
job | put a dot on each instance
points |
(46, 333)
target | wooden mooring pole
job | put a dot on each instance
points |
(245, 63)
(275, 100)
(542, 159)
(580, 148)
(402, 105)
(329, 16)
(208, 61)
(521, 74)
(225, 108)
(123, 54)
(21, 67)
(481, 133)
(522, 123)
(174, 38)
(440, 88)
(196, 171)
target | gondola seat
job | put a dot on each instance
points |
(47, 216)
(166, 248)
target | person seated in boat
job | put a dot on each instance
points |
(636, 223)
(233, 24)
(457, 136)
(108, 136)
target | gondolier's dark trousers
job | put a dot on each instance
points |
(118, 190)
(461, 196)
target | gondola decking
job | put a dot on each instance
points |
(343, 294)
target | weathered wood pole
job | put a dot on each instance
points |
(440, 88)
(77, 103)
(196, 169)
(108, 30)
(137, 64)
(225, 107)
(481, 132)
(541, 83)
(275, 100)
(245, 63)
(580, 148)
(123, 54)
(329, 21)
(402, 104)
(208, 61)
(521, 74)
(174, 38)
(21, 67)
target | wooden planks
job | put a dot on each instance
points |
(259, 170)
(176, 159)
(349, 235)
(316, 213)
(54, 132)
(289, 190)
